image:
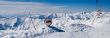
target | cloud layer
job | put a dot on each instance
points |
(7, 8)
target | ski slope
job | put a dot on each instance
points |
(74, 25)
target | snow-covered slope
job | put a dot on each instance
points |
(73, 25)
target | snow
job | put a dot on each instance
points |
(74, 25)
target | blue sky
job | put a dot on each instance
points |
(76, 4)
(41, 5)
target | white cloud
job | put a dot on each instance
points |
(26, 7)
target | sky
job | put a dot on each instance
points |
(45, 5)
(75, 4)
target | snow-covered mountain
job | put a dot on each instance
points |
(71, 25)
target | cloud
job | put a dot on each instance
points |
(28, 7)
